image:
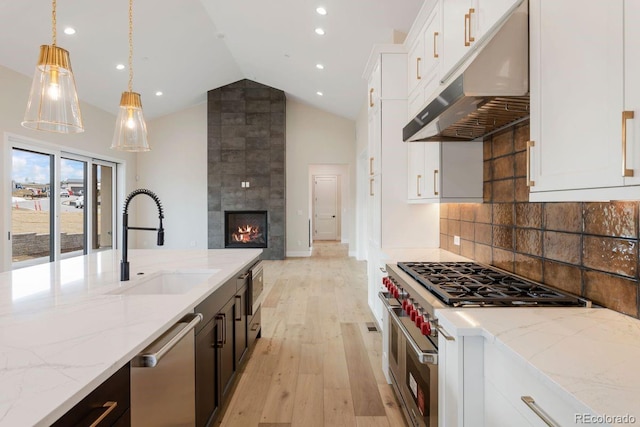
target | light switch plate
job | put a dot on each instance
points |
(456, 240)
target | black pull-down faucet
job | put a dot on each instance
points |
(124, 264)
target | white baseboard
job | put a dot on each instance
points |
(296, 254)
(353, 253)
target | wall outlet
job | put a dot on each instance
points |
(456, 240)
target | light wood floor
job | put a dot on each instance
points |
(316, 364)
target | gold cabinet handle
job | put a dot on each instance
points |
(471, 38)
(110, 407)
(435, 182)
(370, 165)
(371, 97)
(418, 186)
(371, 186)
(418, 76)
(626, 115)
(530, 182)
(435, 44)
(467, 19)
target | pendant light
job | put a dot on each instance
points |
(131, 129)
(53, 102)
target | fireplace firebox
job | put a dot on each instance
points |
(245, 229)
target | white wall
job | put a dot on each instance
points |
(176, 170)
(314, 137)
(94, 141)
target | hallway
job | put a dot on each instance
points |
(316, 364)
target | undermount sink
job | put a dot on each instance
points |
(165, 283)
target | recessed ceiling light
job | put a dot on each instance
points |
(321, 11)
(159, 93)
(69, 31)
(120, 67)
(320, 66)
(320, 31)
(319, 93)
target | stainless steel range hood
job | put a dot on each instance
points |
(491, 93)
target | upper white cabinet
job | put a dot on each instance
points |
(584, 100)
(443, 36)
(424, 61)
(466, 23)
(444, 172)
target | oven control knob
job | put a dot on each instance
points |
(404, 304)
(408, 306)
(396, 294)
(426, 328)
(419, 319)
(413, 314)
(391, 288)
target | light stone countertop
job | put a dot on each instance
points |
(61, 334)
(590, 353)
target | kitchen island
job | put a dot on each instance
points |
(67, 326)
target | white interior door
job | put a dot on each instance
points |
(325, 207)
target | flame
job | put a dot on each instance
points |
(246, 234)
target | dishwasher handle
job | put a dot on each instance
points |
(151, 360)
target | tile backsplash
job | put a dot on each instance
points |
(586, 248)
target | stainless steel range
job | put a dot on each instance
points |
(415, 290)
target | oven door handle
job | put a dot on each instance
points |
(384, 296)
(426, 358)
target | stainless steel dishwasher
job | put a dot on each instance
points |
(163, 378)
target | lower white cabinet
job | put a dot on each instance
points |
(482, 384)
(444, 172)
(510, 381)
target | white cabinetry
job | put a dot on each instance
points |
(584, 93)
(482, 383)
(392, 222)
(424, 61)
(466, 23)
(444, 35)
(509, 382)
(445, 172)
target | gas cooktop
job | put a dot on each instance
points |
(471, 284)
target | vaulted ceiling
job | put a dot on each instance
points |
(184, 48)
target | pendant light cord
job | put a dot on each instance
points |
(53, 22)
(130, 45)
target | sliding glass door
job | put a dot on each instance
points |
(31, 210)
(73, 221)
(62, 205)
(104, 175)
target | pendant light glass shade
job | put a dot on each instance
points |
(53, 102)
(131, 129)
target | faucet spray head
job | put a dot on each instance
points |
(160, 234)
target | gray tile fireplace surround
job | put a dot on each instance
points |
(246, 143)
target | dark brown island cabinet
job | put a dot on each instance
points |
(229, 329)
(107, 405)
(222, 344)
